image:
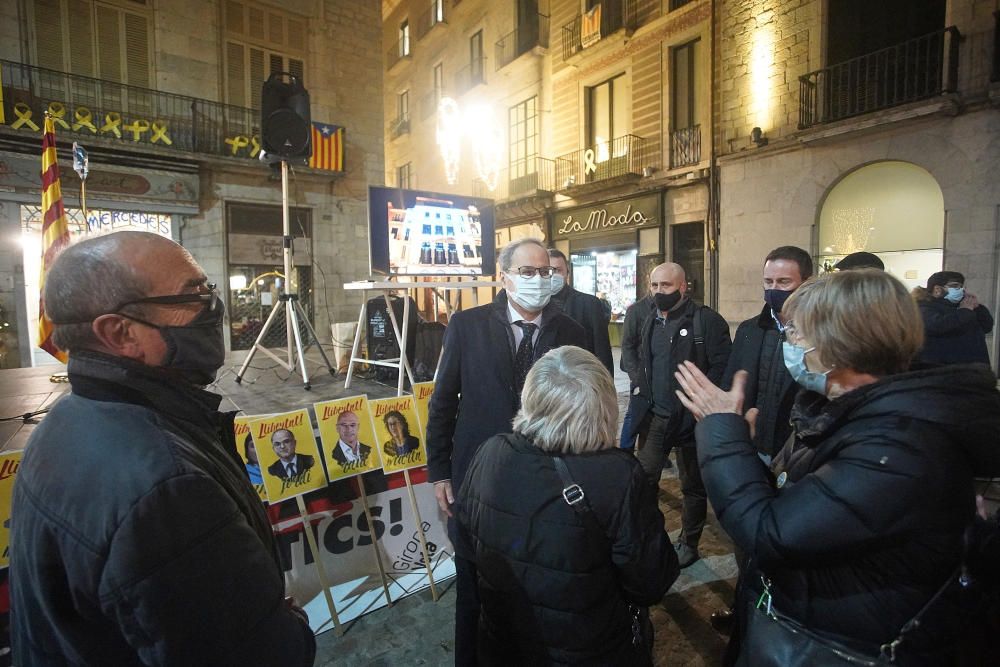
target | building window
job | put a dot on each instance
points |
(403, 176)
(96, 39)
(438, 82)
(259, 42)
(609, 113)
(404, 39)
(683, 86)
(677, 4)
(523, 137)
(476, 60)
(437, 12)
(403, 106)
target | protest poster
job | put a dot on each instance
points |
(10, 462)
(248, 452)
(397, 428)
(422, 392)
(288, 454)
(345, 429)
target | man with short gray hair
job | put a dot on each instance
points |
(136, 537)
(486, 355)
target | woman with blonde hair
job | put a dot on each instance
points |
(856, 535)
(569, 542)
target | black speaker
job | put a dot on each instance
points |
(285, 124)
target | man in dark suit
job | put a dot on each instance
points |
(348, 450)
(289, 464)
(486, 355)
(585, 309)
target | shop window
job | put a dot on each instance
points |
(611, 273)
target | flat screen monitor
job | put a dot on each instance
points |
(419, 233)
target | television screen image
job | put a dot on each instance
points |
(413, 232)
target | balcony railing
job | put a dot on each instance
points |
(470, 76)
(401, 125)
(527, 36)
(621, 156)
(399, 50)
(615, 15)
(530, 177)
(685, 147)
(914, 70)
(86, 108)
(429, 103)
(432, 16)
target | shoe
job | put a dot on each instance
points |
(686, 555)
(723, 620)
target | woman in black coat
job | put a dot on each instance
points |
(861, 520)
(556, 586)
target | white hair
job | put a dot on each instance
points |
(568, 404)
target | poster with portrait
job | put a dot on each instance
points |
(422, 394)
(397, 430)
(248, 452)
(345, 429)
(10, 462)
(288, 454)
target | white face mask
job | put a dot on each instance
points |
(532, 294)
(558, 282)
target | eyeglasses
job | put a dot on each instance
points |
(532, 271)
(792, 334)
(209, 297)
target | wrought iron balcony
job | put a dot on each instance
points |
(914, 70)
(399, 50)
(622, 156)
(431, 17)
(528, 35)
(470, 76)
(86, 108)
(531, 177)
(401, 125)
(615, 15)
(685, 147)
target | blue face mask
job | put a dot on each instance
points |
(955, 294)
(795, 362)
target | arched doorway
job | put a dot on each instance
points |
(893, 209)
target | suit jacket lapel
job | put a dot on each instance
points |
(500, 343)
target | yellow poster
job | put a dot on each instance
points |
(397, 429)
(345, 429)
(9, 464)
(422, 393)
(288, 454)
(248, 452)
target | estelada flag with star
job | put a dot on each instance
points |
(55, 232)
(327, 147)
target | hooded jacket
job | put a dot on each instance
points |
(865, 522)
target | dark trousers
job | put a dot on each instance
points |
(466, 612)
(659, 440)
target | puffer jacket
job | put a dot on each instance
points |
(551, 591)
(864, 523)
(136, 538)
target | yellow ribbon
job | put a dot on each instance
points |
(137, 127)
(84, 119)
(57, 111)
(237, 142)
(112, 120)
(160, 132)
(254, 146)
(23, 113)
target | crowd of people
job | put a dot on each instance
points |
(836, 438)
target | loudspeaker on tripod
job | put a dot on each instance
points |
(286, 124)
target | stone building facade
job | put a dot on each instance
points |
(192, 71)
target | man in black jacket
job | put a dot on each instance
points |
(757, 349)
(955, 323)
(585, 309)
(136, 537)
(660, 333)
(486, 355)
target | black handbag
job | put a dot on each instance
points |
(572, 493)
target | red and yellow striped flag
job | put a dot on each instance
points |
(55, 232)
(327, 147)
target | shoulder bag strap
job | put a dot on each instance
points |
(574, 496)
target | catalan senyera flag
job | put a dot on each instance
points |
(590, 27)
(327, 147)
(55, 232)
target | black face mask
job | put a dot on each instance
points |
(667, 301)
(195, 350)
(776, 298)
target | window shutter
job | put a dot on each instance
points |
(108, 44)
(137, 50)
(234, 17)
(236, 92)
(296, 35)
(256, 16)
(276, 29)
(257, 76)
(48, 34)
(81, 38)
(275, 63)
(296, 67)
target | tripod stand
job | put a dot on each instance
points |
(289, 303)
